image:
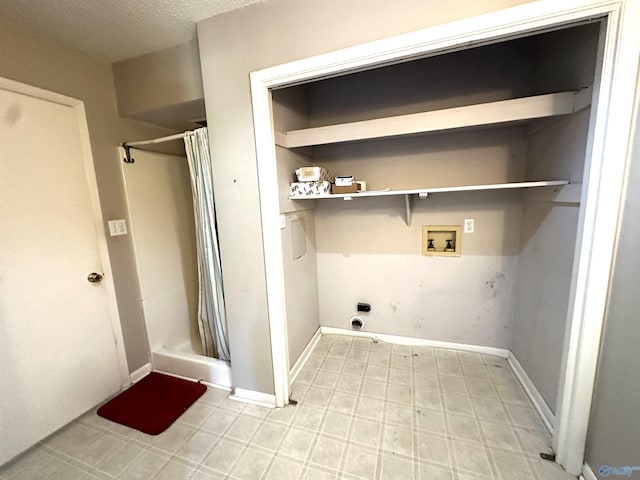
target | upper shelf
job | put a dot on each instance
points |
(502, 112)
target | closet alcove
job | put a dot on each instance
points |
(496, 133)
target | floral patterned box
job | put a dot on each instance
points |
(301, 189)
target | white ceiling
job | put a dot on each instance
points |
(115, 30)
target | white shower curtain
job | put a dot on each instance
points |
(212, 320)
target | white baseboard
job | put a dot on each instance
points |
(140, 373)
(254, 398)
(199, 380)
(304, 356)
(534, 395)
(587, 473)
(419, 342)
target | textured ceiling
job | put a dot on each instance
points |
(117, 29)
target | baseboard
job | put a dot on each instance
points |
(587, 473)
(254, 398)
(208, 384)
(534, 395)
(419, 342)
(304, 356)
(140, 373)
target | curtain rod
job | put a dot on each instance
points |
(129, 145)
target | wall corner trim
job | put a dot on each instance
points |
(252, 397)
(587, 473)
(304, 356)
(140, 373)
(417, 342)
(547, 416)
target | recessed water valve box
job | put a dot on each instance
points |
(364, 307)
(441, 240)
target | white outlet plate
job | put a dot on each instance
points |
(469, 225)
(283, 222)
(117, 227)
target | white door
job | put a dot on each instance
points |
(60, 350)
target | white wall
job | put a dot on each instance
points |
(161, 220)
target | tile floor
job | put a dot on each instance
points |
(365, 411)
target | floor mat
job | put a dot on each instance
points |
(152, 404)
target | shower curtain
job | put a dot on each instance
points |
(212, 321)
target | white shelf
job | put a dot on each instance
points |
(502, 112)
(424, 192)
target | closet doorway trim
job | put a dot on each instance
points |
(600, 197)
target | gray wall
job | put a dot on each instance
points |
(162, 87)
(547, 247)
(35, 59)
(300, 280)
(614, 433)
(231, 46)
(556, 149)
(291, 111)
(366, 251)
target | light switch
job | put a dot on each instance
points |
(117, 227)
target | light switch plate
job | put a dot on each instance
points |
(117, 227)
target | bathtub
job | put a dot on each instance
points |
(180, 360)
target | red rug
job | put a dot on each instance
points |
(152, 404)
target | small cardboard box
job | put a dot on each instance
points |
(353, 188)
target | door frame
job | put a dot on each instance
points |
(610, 139)
(98, 219)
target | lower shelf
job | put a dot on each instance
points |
(424, 192)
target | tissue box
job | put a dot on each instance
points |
(314, 174)
(300, 189)
(344, 181)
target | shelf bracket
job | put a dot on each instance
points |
(423, 195)
(407, 203)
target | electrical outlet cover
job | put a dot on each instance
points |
(469, 225)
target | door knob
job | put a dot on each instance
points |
(94, 277)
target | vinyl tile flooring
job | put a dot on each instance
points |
(364, 410)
